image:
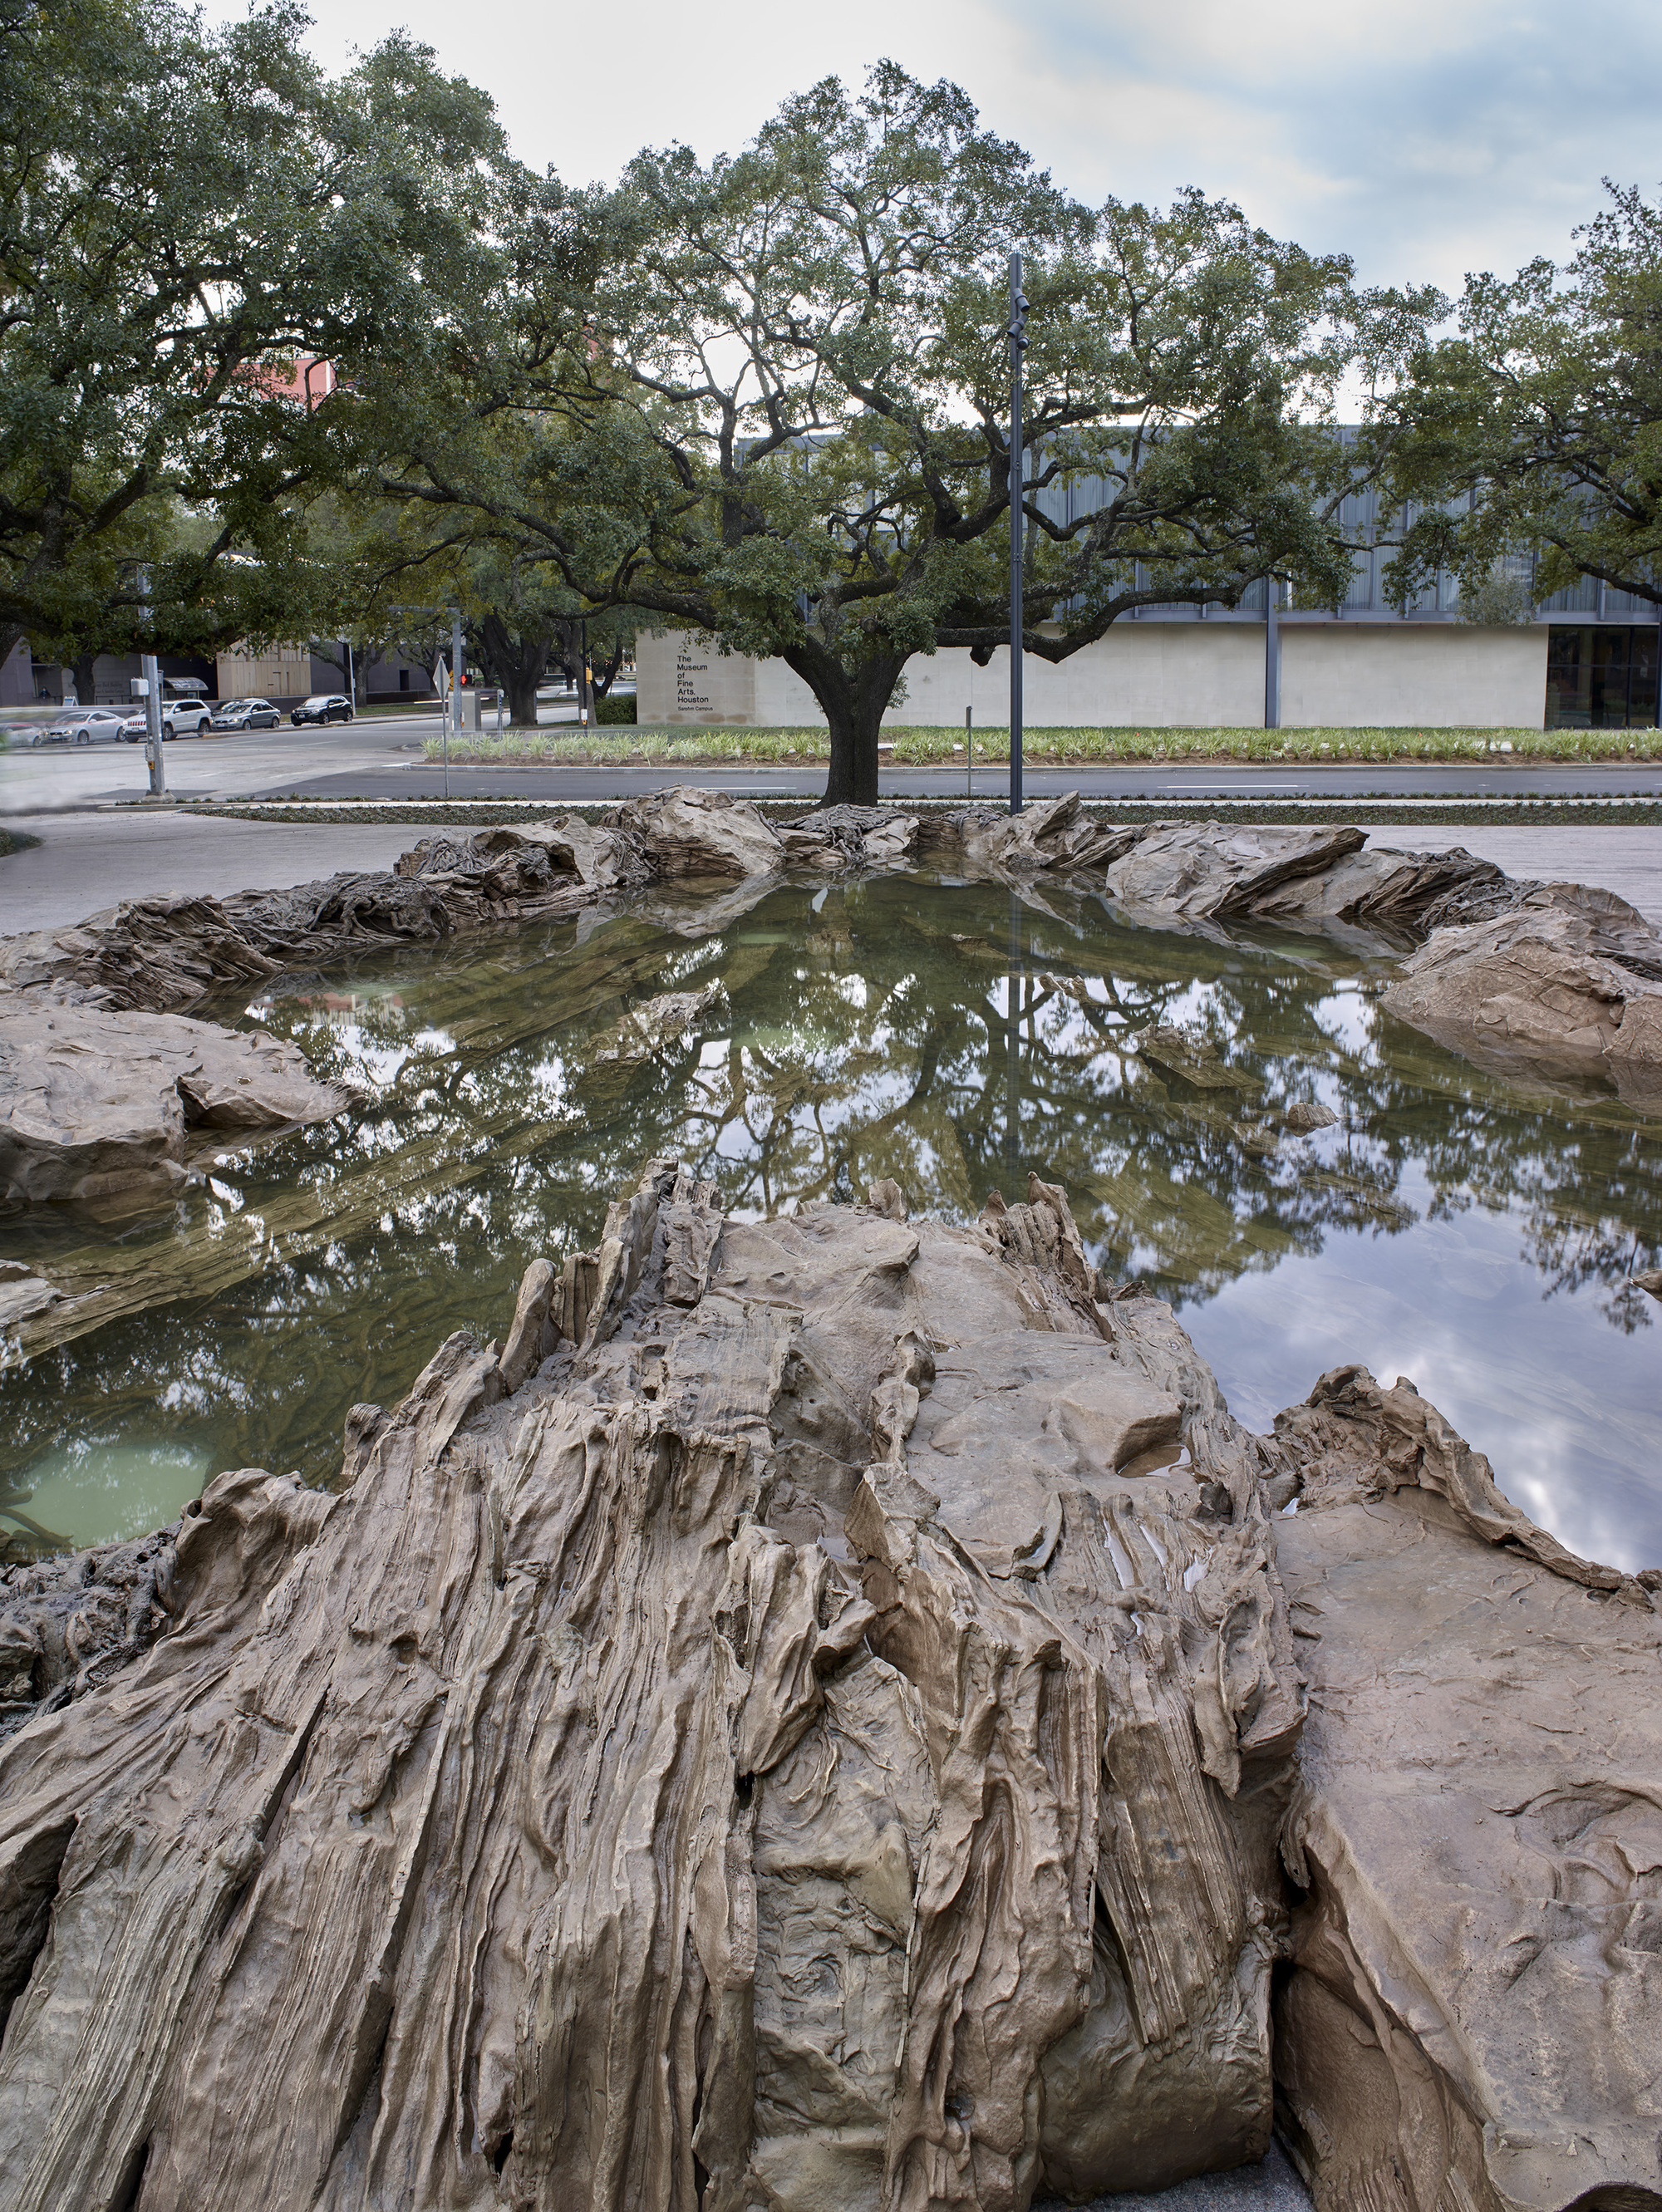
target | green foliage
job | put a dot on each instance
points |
(618, 710)
(766, 399)
(182, 212)
(1542, 419)
(920, 747)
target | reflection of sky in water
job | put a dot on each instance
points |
(1474, 1238)
(1541, 1386)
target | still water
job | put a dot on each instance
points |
(1472, 1235)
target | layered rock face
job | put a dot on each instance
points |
(1473, 2015)
(1568, 982)
(815, 1719)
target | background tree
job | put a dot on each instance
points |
(781, 394)
(1539, 421)
(184, 211)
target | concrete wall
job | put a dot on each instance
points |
(282, 671)
(1159, 675)
(680, 681)
(1156, 672)
(1426, 675)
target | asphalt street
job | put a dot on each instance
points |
(384, 759)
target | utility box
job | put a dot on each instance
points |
(467, 709)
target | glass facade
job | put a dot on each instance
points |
(1602, 677)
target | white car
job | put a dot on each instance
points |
(192, 716)
(134, 728)
(82, 726)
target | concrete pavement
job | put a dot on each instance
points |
(86, 862)
(1272, 2187)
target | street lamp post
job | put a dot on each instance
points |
(1017, 335)
(1272, 656)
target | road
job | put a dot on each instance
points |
(383, 759)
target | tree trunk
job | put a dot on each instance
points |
(86, 678)
(517, 663)
(605, 676)
(853, 700)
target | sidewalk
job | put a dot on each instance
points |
(86, 862)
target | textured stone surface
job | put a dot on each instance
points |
(817, 1721)
(538, 1817)
(690, 832)
(1568, 983)
(1473, 2016)
(100, 1106)
(1197, 873)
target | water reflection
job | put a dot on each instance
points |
(1447, 1225)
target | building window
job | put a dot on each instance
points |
(1602, 678)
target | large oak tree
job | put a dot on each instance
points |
(1537, 420)
(768, 401)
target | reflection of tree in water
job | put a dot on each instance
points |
(867, 1032)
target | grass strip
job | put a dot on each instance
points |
(938, 746)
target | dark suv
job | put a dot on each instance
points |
(322, 707)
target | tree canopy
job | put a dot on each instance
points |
(1544, 407)
(184, 212)
(770, 400)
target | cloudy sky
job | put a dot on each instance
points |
(1425, 137)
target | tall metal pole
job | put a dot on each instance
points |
(1018, 337)
(1013, 1042)
(1272, 657)
(153, 726)
(444, 726)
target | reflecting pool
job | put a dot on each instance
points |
(1473, 1235)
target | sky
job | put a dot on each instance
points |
(1424, 137)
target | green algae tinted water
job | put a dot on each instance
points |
(1472, 1234)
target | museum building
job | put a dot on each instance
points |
(1586, 659)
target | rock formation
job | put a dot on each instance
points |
(1473, 2015)
(107, 1108)
(814, 1720)
(1566, 982)
(1545, 979)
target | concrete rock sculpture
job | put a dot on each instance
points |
(1566, 982)
(1473, 2015)
(815, 1722)
(108, 1108)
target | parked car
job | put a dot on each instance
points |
(247, 715)
(191, 715)
(35, 734)
(80, 726)
(323, 707)
(133, 728)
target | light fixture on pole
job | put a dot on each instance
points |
(1017, 335)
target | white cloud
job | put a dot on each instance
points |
(1423, 138)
